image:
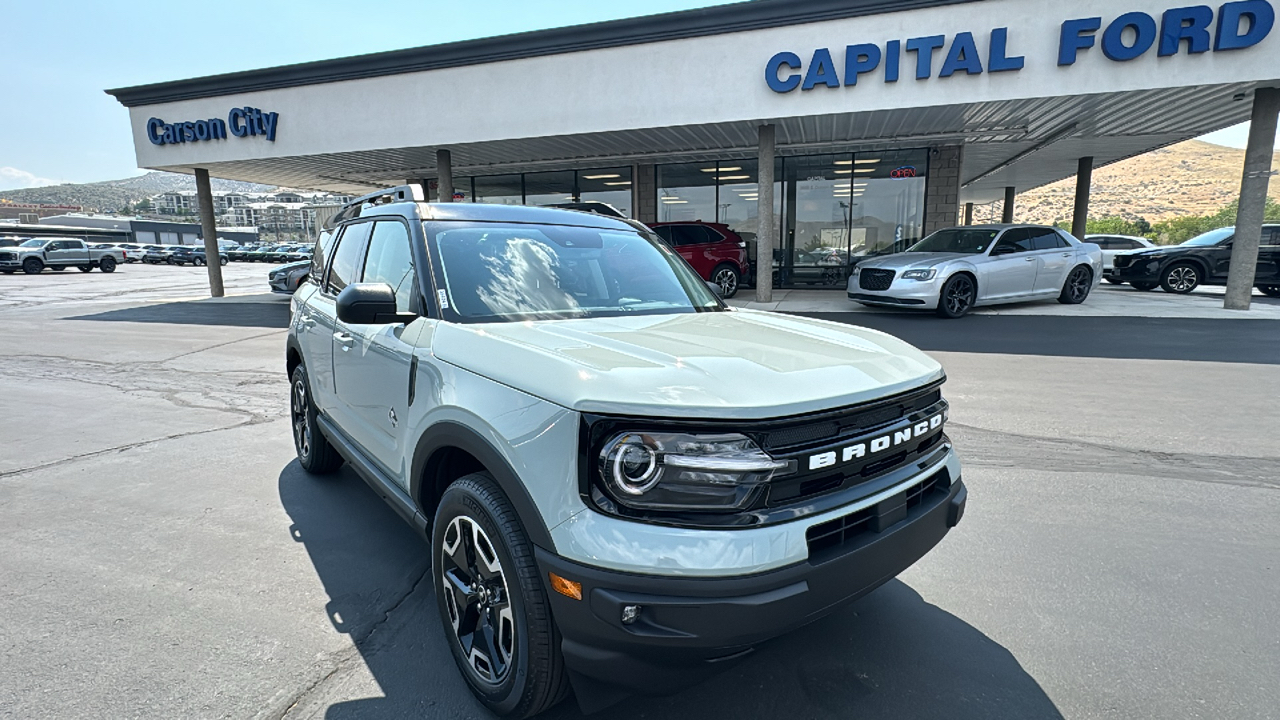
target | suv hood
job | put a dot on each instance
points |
(726, 365)
(908, 261)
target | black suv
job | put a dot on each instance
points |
(1202, 260)
(194, 254)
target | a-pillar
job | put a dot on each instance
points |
(444, 176)
(1010, 194)
(766, 225)
(1253, 198)
(209, 228)
(1084, 181)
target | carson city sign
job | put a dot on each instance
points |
(1238, 25)
(241, 121)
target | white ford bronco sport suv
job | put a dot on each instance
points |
(626, 484)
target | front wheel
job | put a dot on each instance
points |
(1076, 289)
(33, 266)
(957, 296)
(492, 602)
(1180, 278)
(223, 261)
(197, 262)
(727, 278)
(315, 454)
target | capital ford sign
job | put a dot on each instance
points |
(1195, 29)
(241, 122)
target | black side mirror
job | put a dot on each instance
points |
(370, 304)
(1003, 250)
(715, 288)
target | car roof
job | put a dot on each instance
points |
(485, 212)
(1003, 226)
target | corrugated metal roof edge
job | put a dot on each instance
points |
(702, 22)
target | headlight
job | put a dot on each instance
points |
(676, 471)
(919, 274)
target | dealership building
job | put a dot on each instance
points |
(851, 125)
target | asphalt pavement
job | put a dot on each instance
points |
(162, 555)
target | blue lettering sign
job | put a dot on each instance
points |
(1144, 36)
(1190, 24)
(1077, 35)
(771, 70)
(998, 59)
(1261, 17)
(821, 70)
(963, 55)
(859, 59)
(244, 122)
(923, 47)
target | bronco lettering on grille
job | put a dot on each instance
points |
(864, 448)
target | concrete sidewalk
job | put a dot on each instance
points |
(1105, 301)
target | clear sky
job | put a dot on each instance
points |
(58, 125)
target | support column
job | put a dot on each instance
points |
(1010, 194)
(766, 224)
(444, 176)
(1253, 198)
(968, 213)
(1084, 182)
(942, 191)
(209, 228)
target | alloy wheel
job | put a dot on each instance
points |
(728, 282)
(1183, 278)
(301, 418)
(959, 296)
(1078, 285)
(478, 600)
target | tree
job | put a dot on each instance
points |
(1180, 230)
(144, 205)
(1114, 226)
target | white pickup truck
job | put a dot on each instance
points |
(34, 255)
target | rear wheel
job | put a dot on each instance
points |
(315, 454)
(84, 268)
(33, 266)
(957, 296)
(1144, 286)
(492, 601)
(1076, 289)
(107, 264)
(727, 278)
(1180, 278)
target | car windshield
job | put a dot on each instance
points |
(500, 273)
(956, 240)
(34, 242)
(1213, 237)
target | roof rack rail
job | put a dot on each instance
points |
(401, 193)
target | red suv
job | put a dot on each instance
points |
(716, 252)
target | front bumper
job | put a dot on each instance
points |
(1141, 270)
(919, 294)
(689, 628)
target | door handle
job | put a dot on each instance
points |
(1030, 259)
(1066, 254)
(344, 339)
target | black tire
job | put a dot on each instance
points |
(223, 261)
(33, 266)
(1270, 290)
(107, 264)
(7, 271)
(1076, 288)
(473, 513)
(957, 296)
(315, 454)
(1144, 286)
(197, 262)
(1180, 278)
(57, 268)
(727, 277)
(84, 268)
(1114, 281)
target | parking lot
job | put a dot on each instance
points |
(163, 555)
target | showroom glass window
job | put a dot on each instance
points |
(607, 185)
(887, 195)
(687, 192)
(499, 189)
(548, 188)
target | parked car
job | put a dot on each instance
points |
(1112, 245)
(716, 252)
(132, 252)
(193, 254)
(626, 487)
(1202, 260)
(34, 255)
(957, 269)
(287, 278)
(157, 254)
(264, 253)
(9, 242)
(240, 253)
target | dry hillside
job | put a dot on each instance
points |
(1190, 178)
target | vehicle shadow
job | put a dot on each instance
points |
(233, 314)
(889, 655)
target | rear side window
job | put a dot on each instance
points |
(390, 261)
(348, 257)
(1046, 240)
(692, 235)
(1019, 239)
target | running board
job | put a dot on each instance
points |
(384, 486)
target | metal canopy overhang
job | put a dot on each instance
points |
(1019, 143)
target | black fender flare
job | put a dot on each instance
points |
(452, 434)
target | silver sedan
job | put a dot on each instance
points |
(957, 269)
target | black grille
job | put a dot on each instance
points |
(835, 537)
(874, 279)
(1120, 261)
(7, 256)
(846, 423)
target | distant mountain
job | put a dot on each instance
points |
(111, 195)
(1190, 178)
